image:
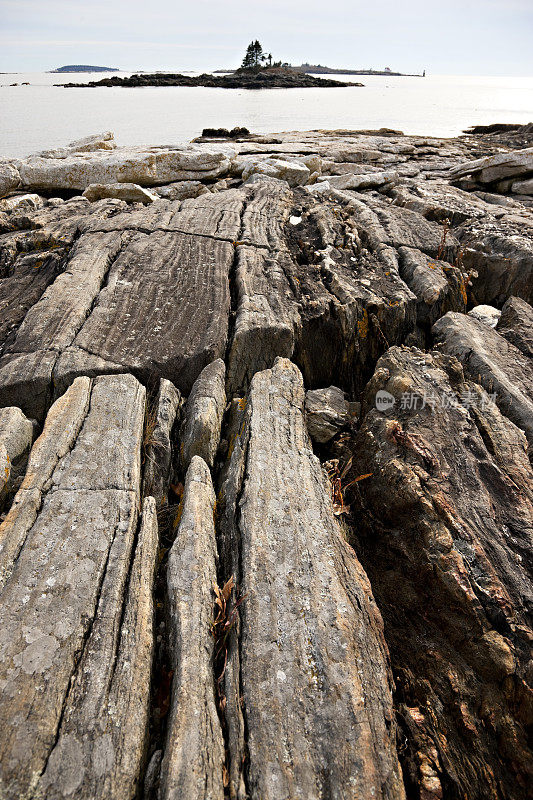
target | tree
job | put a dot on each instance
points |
(254, 56)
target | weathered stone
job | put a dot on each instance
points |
(158, 442)
(99, 752)
(308, 672)
(129, 192)
(205, 406)
(497, 364)
(294, 173)
(21, 201)
(147, 166)
(193, 761)
(516, 324)
(439, 287)
(362, 182)
(9, 178)
(76, 684)
(523, 187)
(498, 166)
(487, 314)
(444, 530)
(182, 190)
(326, 412)
(16, 435)
(97, 141)
(499, 255)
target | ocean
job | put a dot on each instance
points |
(41, 115)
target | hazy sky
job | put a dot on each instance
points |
(475, 37)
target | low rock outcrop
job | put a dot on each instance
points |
(219, 578)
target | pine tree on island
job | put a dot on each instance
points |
(255, 57)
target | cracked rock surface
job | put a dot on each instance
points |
(265, 469)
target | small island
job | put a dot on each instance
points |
(83, 68)
(257, 71)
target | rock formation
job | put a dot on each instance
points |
(265, 469)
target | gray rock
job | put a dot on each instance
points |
(362, 182)
(129, 192)
(439, 287)
(21, 202)
(516, 324)
(295, 173)
(308, 671)
(84, 735)
(194, 751)
(182, 190)
(146, 166)
(157, 442)
(497, 364)
(487, 314)
(200, 433)
(9, 178)
(326, 411)
(523, 187)
(498, 166)
(16, 436)
(444, 530)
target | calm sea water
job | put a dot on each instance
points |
(41, 115)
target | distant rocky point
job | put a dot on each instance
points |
(266, 78)
(319, 69)
(83, 68)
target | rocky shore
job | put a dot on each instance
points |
(268, 78)
(266, 491)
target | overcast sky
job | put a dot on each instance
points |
(473, 37)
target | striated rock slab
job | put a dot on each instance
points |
(16, 435)
(516, 324)
(129, 192)
(496, 167)
(75, 681)
(308, 679)
(148, 166)
(193, 761)
(158, 445)
(205, 406)
(497, 364)
(101, 742)
(131, 299)
(444, 530)
(312, 292)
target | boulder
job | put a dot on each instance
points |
(129, 192)
(182, 190)
(516, 324)
(523, 187)
(497, 167)
(487, 314)
(295, 173)
(9, 178)
(21, 202)
(16, 436)
(326, 411)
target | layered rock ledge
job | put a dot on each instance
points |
(266, 489)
